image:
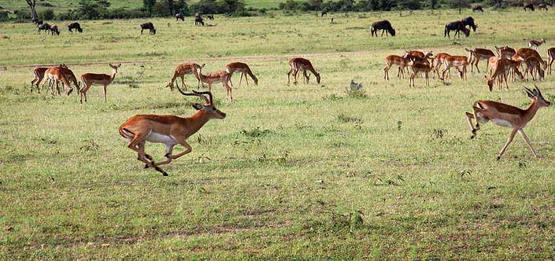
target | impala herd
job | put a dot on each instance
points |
(502, 66)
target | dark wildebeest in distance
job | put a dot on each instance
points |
(543, 6)
(54, 30)
(179, 16)
(37, 21)
(210, 17)
(478, 8)
(325, 12)
(528, 7)
(148, 26)
(457, 26)
(199, 20)
(74, 26)
(384, 26)
(469, 21)
(44, 27)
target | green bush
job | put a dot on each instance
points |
(47, 14)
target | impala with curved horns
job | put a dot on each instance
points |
(507, 116)
(169, 130)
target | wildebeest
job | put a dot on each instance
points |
(44, 27)
(199, 20)
(54, 30)
(148, 26)
(325, 12)
(543, 6)
(528, 7)
(478, 8)
(383, 25)
(210, 17)
(37, 21)
(74, 26)
(456, 26)
(469, 21)
(179, 16)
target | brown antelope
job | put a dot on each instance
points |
(38, 72)
(457, 61)
(244, 69)
(523, 54)
(169, 130)
(418, 54)
(89, 79)
(420, 67)
(536, 43)
(391, 60)
(533, 66)
(551, 54)
(499, 69)
(182, 70)
(507, 116)
(437, 61)
(216, 77)
(505, 51)
(56, 75)
(476, 55)
(301, 64)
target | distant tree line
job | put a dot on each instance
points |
(100, 9)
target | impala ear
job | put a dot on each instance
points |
(198, 106)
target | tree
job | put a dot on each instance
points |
(32, 4)
(149, 5)
(170, 6)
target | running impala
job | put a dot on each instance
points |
(182, 70)
(169, 130)
(507, 116)
(301, 64)
(244, 69)
(94, 78)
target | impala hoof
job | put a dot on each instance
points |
(498, 157)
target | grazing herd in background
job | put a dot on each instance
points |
(504, 65)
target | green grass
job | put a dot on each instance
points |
(306, 171)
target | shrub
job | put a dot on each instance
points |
(47, 14)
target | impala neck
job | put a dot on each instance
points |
(114, 72)
(196, 121)
(531, 111)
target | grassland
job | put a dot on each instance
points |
(304, 171)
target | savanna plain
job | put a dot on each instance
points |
(294, 171)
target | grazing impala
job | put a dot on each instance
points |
(524, 53)
(457, 61)
(301, 64)
(391, 60)
(418, 66)
(533, 66)
(184, 69)
(437, 62)
(499, 69)
(536, 43)
(55, 75)
(38, 72)
(89, 79)
(476, 55)
(168, 129)
(507, 116)
(418, 54)
(216, 77)
(505, 51)
(551, 54)
(244, 69)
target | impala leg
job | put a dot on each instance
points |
(509, 140)
(246, 79)
(105, 99)
(525, 137)
(168, 155)
(289, 76)
(182, 82)
(295, 72)
(306, 78)
(385, 72)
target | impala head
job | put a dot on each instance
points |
(208, 106)
(536, 95)
(115, 67)
(317, 77)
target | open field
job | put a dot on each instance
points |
(292, 168)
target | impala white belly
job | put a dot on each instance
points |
(161, 138)
(503, 123)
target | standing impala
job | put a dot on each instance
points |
(507, 116)
(215, 77)
(301, 64)
(183, 69)
(244, 69)
(391, 60)
(457, 61)
(169, 130)
(505, 51)
(476, 55)
(89, 79)
(437, 61)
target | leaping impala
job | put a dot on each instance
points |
(301, 64)
(244, 69)
(215, 77)
(169, 130)
(507, 116)
(94, 78)
(184, 69)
